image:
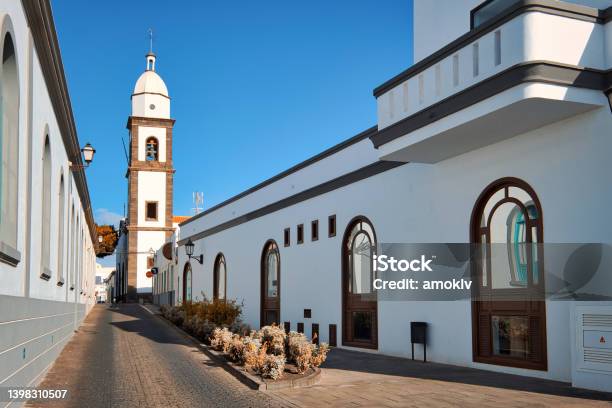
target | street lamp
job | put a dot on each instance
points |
(88, 154)
(189, 247)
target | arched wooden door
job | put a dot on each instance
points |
(270, 284)
(509, 313)
(187, 276)
(359, 306)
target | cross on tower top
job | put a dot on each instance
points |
(150, 56)
(150, 41)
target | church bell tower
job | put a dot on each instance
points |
(150, 176)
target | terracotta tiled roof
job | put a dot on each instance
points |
(180, 218)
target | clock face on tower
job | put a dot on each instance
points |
(151, 106)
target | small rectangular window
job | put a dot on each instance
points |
(455, 70)
(475, 59)
(151, 211)
(314, 230)
(315, 333)
(300, 234)
(287, 237)
(497, 47)
(331, 225)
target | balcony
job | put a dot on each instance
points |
(531, 64)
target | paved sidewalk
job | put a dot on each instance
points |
(127, 357)
(356, 379)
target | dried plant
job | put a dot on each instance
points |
(274, 338)
(221, 339)
(319, 354)
(273, 366)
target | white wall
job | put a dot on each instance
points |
(425, 203)
(430, 15)
(38, 316)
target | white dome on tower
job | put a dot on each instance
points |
(150, 82)
(150, 97)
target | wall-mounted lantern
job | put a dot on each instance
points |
(608, 93)
(189, 247)
(88, 154)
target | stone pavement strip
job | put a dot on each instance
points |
(127, 357)
(358, 379)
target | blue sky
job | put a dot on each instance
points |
(256, 87)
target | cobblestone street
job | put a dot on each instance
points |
(126, 357)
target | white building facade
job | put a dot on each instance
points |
(47, 231)
(505, 111)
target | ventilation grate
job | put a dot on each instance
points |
(602, 320)
(598, 356)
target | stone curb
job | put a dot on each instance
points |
(239, 372)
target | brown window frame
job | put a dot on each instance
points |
(484, 310)
(332, 227)
(147, 218)
(300, 234)
(314, 230)
(287, 237)
(220, 259)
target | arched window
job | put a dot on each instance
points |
(9, 147)
(270, 284)
(359, 299)
(187, 283)
(61, 203)
(152, 149)
(219, 277)
(70, 249)
(46, 213)
(507, 225)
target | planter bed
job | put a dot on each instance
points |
(290, 378)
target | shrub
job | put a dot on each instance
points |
(303, 356)
(176, 316)
(221, 339)
(303, 353)
(319, 354)
(273, 366)
(222, 312)
(256, 359)
(236, 349)
(294, 340)
(274, 339)
(165, 310)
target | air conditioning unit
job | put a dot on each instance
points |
(592, 366)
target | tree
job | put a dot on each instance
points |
(110, 237)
